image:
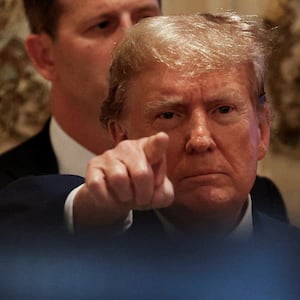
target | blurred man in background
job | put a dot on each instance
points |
(70, 45)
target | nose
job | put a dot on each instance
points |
(126, 21)
(199, 139)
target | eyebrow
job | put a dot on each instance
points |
(138, 9)
(174, 101)
(149, 7)
(166, 102)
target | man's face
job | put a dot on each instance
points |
(215, 139)
(87, 33)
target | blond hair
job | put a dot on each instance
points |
(189, 44)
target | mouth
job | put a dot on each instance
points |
(204, 177)
(204, 173)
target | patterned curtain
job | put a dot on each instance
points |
(284, 76)
(241, 6)
(23, 94)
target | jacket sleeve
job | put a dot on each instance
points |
(36, 203)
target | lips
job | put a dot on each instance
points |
(204, 173)
(204, 177)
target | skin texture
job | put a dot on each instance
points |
(77, 61)
(212, 141)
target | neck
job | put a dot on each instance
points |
(209, 225)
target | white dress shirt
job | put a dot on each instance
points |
(72, 159)
(242, 231)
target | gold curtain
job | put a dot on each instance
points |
(240, 6)
(23, 94)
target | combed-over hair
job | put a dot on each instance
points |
(191, 45)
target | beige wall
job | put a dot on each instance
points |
(241, 6)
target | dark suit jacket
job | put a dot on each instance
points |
(36, 157)
(33, 157)
(140, 264)
(37, 202)
(138, 268)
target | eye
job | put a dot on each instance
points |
(167, 120)
(226, 113)
(225, 109)
(107, 25)
(167, 115)
(103, 24)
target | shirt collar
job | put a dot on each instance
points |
(243, 230)
(72, 157)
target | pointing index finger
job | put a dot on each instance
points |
(155, 147)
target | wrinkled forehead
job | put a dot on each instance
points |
(77, 4)
(158, 80)
(72, 5)
(90, 8)
(195, 73)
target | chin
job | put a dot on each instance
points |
(209, 205)
(213, 219)
(207, 196)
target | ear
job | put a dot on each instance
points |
(118, 131)
(264, 124)
(40, 50)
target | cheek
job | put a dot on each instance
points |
(253, 137)
(247, 134)
(91, 54)
(133, 116)
(93, 66)
(101, 59)
(135, 126)
(175, 157)
(242, 150)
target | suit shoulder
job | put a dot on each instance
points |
(33, 157)
(272, 229)
(267, 198)
(31, 146)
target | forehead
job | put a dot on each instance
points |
(74, 6)
(159, 81)
(79, 13)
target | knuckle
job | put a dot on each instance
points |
(93, 186)
(142, 176)
(119, 177)
(126, 145)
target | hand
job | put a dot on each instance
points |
(130, 176)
